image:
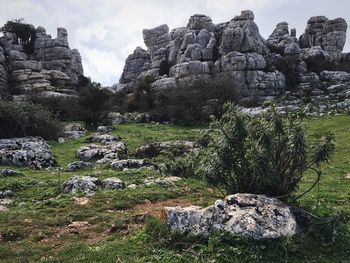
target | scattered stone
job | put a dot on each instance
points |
(117, 118)
(86, 184)
(149, 181)
(33, 152)
(129, 163)
(8, 173)
(154, 149)
(95, 151)
(132, 186)
(5, 194)
(104, 138)
(248, 215)
(168, 181)
(104, 129)
(3, 208)
(74, 131)
(72, 167)
(113, 183)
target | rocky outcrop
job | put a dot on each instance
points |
(33, 152)
(242, 35)
(247, 215)
(328, 34)
(134, 65)
(3, 73)
(51, 67)
(235, 50)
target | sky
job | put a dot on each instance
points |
(107, 31)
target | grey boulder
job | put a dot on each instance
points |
(248, 215)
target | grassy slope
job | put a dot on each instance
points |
(36, 226)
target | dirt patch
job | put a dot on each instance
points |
(80, 200)
(134, 218)
(154, 209)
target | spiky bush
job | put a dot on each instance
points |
(266, 155)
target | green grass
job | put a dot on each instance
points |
(35, 229)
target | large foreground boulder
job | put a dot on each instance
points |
(248, 215)
(29, 151)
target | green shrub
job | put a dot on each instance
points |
(95, 103)
(141, 99)
(183, 166)
(194, 102)
(18, 119)
(58, 106)
(268, 155)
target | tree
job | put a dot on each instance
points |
(94, 102)
(24, 33)
(268, 155)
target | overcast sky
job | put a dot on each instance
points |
(106, 31)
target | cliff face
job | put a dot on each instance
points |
(234, 49)
(51, 69)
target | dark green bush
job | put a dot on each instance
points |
(268, 155)
(141, 99)
(18, 119)
(58, 106)
(95, 103)
(194, 102)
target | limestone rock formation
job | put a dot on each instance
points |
(242, 34)
(248, 215)
(328, 34)
(51, 68)
(259, 69)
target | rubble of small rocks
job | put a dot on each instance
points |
(113, 183)
(162, 181)
(203, 51)
(32, 152)
(8, 173)
(51, 69)
(248, 215)
(129, 164)
(105, 139)
(78, 165)
(98, 151)
(154, 149)
(89, 185)
(74, 131)
(104, 129)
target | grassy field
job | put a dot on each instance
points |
(45, 225)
